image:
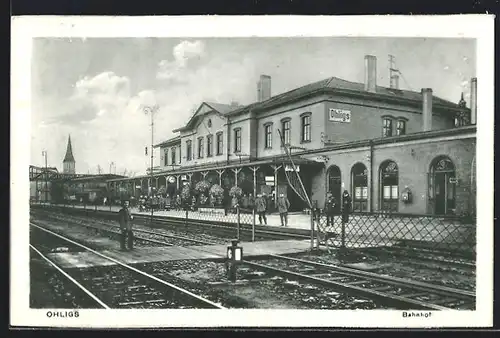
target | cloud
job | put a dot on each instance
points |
(184, 53)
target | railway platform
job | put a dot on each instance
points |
(148, 254)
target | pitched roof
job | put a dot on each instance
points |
(347, 87)
(220, 108)
(168, 142)
(69, 152)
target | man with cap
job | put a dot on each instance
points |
(260, 208)
(283, 205)
(125, 219)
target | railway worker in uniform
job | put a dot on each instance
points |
(330, 209)
(283, 205)
(260, 207)
(125, 219)
(346, 206)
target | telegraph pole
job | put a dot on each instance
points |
(151, 110)
(44, 154)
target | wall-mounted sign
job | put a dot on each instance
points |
(340, 115)
(453, 180)
(269, 180)
(171, 179)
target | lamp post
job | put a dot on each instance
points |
(151, 110)
(44, 154)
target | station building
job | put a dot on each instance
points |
(391, 149)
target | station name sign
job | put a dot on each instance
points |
(340, 115)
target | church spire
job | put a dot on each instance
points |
(462, 103)
(69, 152)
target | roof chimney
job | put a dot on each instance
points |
(473, 100)
(370, 73)
(264, 88)
(426, 109)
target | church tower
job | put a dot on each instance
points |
(69, 160)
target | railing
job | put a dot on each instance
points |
(447, 234)
(450, 235)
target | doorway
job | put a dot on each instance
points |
(335, 185)
(442, 186)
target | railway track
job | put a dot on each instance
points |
(155, 238)
(219, 228)
(424, 255)
(401, 293)
(121, 285)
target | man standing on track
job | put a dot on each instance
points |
(125, 218)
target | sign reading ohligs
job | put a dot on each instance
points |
(340, 115)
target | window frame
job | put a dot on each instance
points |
(165, 157)
(389, 128)
(210, 145)
(237, 139)
(189, 150)
(219, 151)
(173, 155)
(398, 129)
(303, 117)
(286, 120)
(268, 135)
(200, 147)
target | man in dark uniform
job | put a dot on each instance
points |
(330, 209)
(346, 206)
(125, 218)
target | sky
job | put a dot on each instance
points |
(94, 88)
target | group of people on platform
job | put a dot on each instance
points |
(260, 204)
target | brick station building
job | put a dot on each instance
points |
(380, 144)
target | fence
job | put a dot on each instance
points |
(446, 234)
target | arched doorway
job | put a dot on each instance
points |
(359, 187)
(389, 186)
(442, 186)
(335, 185)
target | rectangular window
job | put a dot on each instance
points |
(189, 150)
(165, 157)
(210, 143)
(286, 131)
(173, 158)
(268, 134)
(306, 128)
(387, 127)
(237, 140)
(401, 127)
(200, 147)
(220, 143)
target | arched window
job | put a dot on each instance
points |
(359, 184)
(335, 184)
(389, 186)
(442, 186)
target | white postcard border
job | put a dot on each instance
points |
(24, 29)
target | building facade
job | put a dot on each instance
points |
(392, 150)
